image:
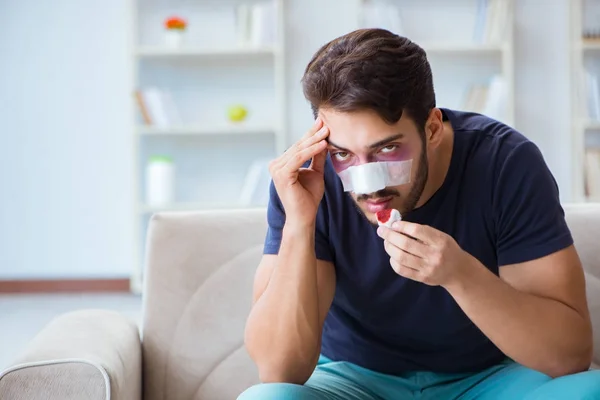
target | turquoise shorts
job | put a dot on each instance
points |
(508, 380)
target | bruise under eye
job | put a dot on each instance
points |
(342, 160)
(392, 153)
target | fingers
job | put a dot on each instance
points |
(299, 148)
(318, 162)
(422, 233)
(297, 160)
(403, 258)
(313, 129)
(405, 271)
(321, 134)
(403, 242)
(310, 145)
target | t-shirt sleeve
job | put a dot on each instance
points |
(276, 221)
(530, 220)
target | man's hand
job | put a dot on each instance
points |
(424, 254)
(301, 189)
(543, 325)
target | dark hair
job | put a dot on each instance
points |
(371, 69)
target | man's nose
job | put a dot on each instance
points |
(365, 159)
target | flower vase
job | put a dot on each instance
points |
(174, 38)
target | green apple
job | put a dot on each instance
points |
(237, 113)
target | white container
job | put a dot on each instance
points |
(174, 38)
(160, 181)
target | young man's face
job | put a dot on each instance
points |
(361, 137)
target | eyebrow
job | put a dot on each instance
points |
(371, 146)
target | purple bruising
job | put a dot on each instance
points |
(342, 160)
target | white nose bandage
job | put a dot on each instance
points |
(374, 176)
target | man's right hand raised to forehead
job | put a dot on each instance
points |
(301, 189)
(293, 290)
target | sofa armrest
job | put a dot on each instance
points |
(89, 354)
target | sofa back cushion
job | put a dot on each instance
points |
(198, 291)
(584, 222)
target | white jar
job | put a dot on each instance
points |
(174, 38)
(160, 181)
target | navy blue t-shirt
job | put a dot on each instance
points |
(500, 203)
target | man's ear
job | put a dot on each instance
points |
(434, 127)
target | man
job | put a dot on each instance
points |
(478, 293)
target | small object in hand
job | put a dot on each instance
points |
(388, 217)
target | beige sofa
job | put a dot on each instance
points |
(197, 296)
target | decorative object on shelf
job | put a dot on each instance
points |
(174, 31)
(592, 174)
(160, 181)
(492, 20)
(256, 23)
(157, 107)
(237, 113)
(255, 191)
(591, 34)
(375, 14)
(490, 99)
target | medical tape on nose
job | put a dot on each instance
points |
(374, 176)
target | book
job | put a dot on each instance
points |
(592, 95)
(492, 20)
(256, 24)
(497, 99)
(475, 98)
(488, 99)
(376, 14)
(139, 99)
(255, 190)
(157, 107)
(592, 174)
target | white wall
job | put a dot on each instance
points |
(65, 172)
(311, 23)
(543, 80)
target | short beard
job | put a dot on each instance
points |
(420, 181)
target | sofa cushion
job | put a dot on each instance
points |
(55, 380)
(227, 380)
(584, 223)
(199, 278)
(199, 274)
(96, 347)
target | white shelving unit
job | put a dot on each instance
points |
(585, 56)
(458, 58)
(208, 73)
(159, 52)
(191, 130)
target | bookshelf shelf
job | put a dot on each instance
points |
(463, 48)
(207, 131)
(590, 44)
(231, 62)
(166, 53)
(589, 125)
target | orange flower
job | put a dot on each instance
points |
(175, 23)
